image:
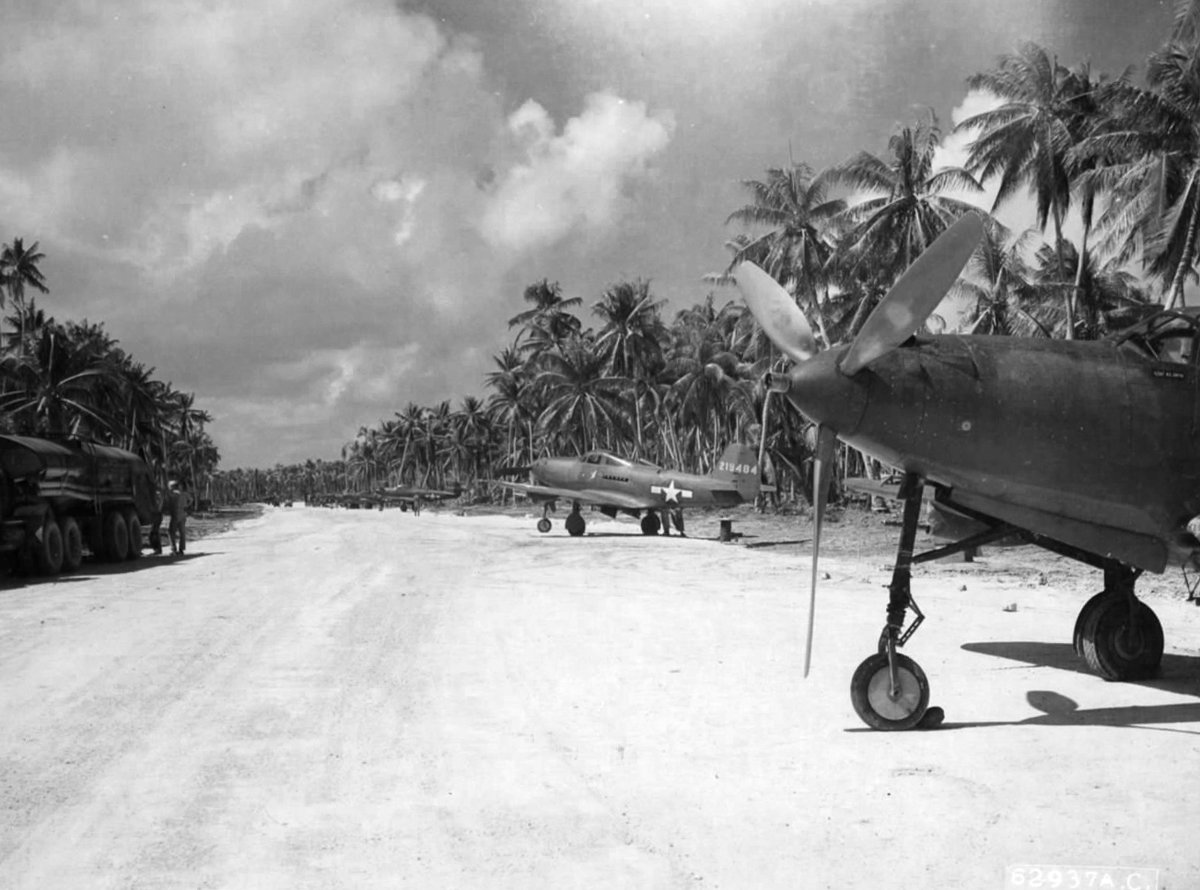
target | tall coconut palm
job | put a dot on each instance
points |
(794, 206)
(906, 203)
(996, 285)
(550, 321)
(18, 270)
(631, 342)
(1045, 111)
(585, 405)
(1149, 160)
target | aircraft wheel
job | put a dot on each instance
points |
(575, 525)
(651, 524)
(72, 538)
(50, 551)
(543, 525)
(1085, 613)
(1117, 648)
(870, 693)
(116, 536)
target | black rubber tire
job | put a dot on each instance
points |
(575, 525)
(651, 524)
(134, 526)
(116, 536)
(49, 551)
(1110, 646)
(1081, 619)
(72, 537)
(543, 525)
(872, 702)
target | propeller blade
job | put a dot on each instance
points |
(915, 294)
(776, 312)
(826, 440)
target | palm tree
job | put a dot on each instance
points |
(60, 386)
(631, 342)
(906, 206)
(1148, 159)
(1046, 110)
(18, 269)
(794, 206)
(996, 284)
(549, 322)
(582, 398)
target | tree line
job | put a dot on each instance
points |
(72, 379)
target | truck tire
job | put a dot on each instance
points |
(135, 534)
(49, 551)
(72, 538)
(116, 536)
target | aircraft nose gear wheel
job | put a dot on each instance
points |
(543, 525)
(575, 525)
(879, 705)
(1122, 640)
(650, 524)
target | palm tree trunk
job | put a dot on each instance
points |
(1188, 253)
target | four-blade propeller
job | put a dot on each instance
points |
(903, 311)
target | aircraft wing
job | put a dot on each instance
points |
(598, 498)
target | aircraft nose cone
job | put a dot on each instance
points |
(823, 394)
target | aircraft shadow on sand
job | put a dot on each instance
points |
(1178, 674)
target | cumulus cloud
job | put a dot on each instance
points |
(574, 179)
(275, 203)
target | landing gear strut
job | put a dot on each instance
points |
(889, 691)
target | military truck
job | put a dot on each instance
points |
(59, 497)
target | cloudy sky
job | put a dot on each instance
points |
(313, 212)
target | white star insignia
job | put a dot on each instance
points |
(670, 493)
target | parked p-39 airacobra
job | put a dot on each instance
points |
(617, 485)
(1090, 449)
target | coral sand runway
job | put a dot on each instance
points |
(353, 699)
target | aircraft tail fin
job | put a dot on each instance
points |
(739, 465)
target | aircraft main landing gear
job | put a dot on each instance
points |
(1117, 634)
(889, 691)
(544, 523)
(575, 522)
(651, 524)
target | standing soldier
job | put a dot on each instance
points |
(176, 506)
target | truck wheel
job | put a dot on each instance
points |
(135, 535)
(116, 536)
(72, 539)
(50, 550)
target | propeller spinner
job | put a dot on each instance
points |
(905, 308)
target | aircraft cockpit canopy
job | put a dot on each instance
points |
(604, 459)
(1169, 336)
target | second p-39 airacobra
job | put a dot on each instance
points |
(640, 489)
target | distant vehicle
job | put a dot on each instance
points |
(58, 497)
(407, 496)
(640, 489)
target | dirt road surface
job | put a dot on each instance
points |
(362, 699)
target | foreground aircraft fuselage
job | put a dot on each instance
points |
(1088, 449)
(1091, 443)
